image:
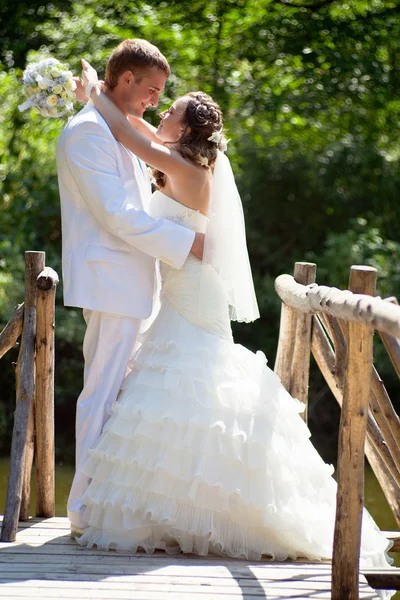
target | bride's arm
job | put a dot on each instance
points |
(141, 125)
(144, 128)
(153, 153)
(156, 155)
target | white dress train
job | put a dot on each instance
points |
(205, 451)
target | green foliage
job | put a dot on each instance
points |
(310, 98)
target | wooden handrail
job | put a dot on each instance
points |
(341, 342)
(343, 304)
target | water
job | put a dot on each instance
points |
(375, 500)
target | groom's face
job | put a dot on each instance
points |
(141, 91)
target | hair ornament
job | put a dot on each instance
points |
(219, 139)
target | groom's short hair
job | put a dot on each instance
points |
(134, 55)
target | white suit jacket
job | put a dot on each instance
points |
(109, 241)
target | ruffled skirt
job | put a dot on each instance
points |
(206, 452)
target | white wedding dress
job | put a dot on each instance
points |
(205, 451)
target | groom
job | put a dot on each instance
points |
(110, 243)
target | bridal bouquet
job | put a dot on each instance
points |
(49, 87)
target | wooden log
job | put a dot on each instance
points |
(304, 273)
(392, 344)
(325, 359)
(25, 484)
(44, 413)
(385, 416)
(374, 436)
(385, 478)
(393, 536)
(335, 331)
(29, 454)
(34, 263)
(284, 354)
(343, 304)
(353, 424)
(12, 331)
(382, 579)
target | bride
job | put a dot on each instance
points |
(205, 451)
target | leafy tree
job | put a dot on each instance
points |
(309, 90)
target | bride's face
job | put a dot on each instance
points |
(171, 125)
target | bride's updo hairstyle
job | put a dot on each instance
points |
(201, 120)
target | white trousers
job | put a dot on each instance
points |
(108, 344)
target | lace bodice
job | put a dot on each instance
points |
(181, 287)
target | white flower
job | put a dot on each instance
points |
(70, 84)
(224, 145)
(58, 89)
(203, 161)
(52, 100)
(219, 139)
(42, 85)
(28, 77)
(151, 176)
(216, 137)
(30, 90)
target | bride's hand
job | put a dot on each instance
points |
(89, 75)
(80, 90)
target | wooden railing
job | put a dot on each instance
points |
(33, 432)
(337, 327)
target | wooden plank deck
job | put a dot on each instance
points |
(46, 563)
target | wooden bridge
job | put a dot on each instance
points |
(38, 557)
(45, 563)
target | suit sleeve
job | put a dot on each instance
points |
(92, 161)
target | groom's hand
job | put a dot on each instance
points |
(198, 245)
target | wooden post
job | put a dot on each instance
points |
(34, 263)
(29, 454)
(284, 354)
(353, 423)
(304, 273)
(44, 413)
